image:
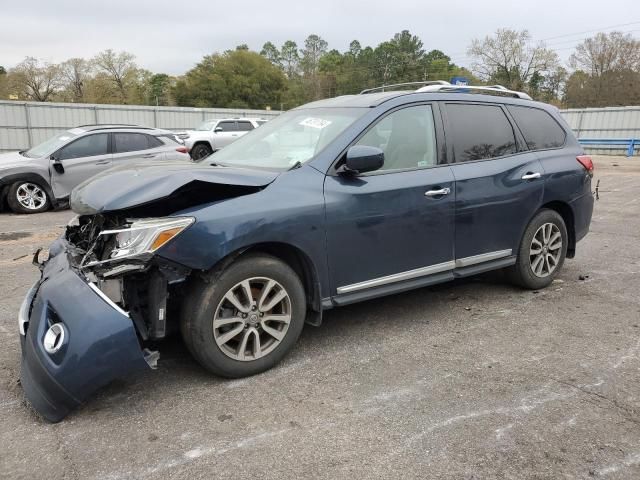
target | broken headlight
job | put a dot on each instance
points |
(145, 235)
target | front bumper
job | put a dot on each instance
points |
(99, 342)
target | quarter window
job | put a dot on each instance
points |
(407, 137)
(479, 132)
(129, 142)
(89, 146)
(539, 128)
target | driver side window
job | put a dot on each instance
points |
(89, 146)
(407, 137)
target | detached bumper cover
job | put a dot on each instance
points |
(100, 342)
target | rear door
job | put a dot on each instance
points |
(499, 183)
(78, 161)
(135, 146)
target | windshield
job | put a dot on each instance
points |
(295, 136)
(208, 125)
(54, 143)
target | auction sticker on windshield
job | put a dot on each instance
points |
(318, 123)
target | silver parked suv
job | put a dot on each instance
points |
(33, 180)
(212, 135)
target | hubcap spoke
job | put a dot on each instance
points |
(277, 334)
(231, 297)
(285, 318)
(221, 322)
(224, 338)
(265, 293)
(277, 298)
(243, 344)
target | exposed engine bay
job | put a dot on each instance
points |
(146, 286)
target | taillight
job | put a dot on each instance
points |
(182, 150)
(586, 162)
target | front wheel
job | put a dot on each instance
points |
(542, 251)
(246, 320)
(27, 197)
(200, 151)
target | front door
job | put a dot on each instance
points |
(499, 185)
(78, 161)
(225, 133)
(389, 228)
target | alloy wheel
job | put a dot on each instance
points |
(545, 250)
(31, 196)
(252, 319)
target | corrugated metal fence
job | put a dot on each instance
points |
(607, 123)
(24, 124)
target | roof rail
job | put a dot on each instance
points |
(407, 84)
(489, 89)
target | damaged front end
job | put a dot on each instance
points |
(103, 298)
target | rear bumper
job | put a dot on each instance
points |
(582, 211)
(99, 342)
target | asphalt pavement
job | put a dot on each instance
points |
(473, 379)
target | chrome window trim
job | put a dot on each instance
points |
(425, 271)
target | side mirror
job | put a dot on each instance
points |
(57, 164)
(362, 159)
(217, 130)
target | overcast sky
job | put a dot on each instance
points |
(171, 36)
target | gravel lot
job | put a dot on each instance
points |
(473, 379)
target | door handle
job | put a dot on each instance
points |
(103, 162)
(531, 176)
(436, 193)
(149, 155)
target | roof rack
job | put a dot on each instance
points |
(107, 126)
(489, 89)
(407, 84)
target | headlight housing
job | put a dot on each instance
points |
(145, 235)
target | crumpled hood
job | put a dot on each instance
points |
(12, 159)
(134, 185)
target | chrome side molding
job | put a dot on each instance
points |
(425, 271)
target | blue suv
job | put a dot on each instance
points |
(331, 203)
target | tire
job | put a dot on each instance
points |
(535, 270)
(28, 197)
(200, 150)
(209, 318)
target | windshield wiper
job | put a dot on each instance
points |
(298, 164)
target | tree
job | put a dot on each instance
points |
(271, 53)
(510, 58)
(607, 52)
(314, 48)
(119, 67)
(236, 78)
(159, 89)
(37, 81)
(290, 58)
(3, 71)
(607, 72)
(74, 74)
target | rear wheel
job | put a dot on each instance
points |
(248, 319)
(27, 197)
(542, 251)
(200, 151)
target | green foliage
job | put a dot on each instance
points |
(237, 78)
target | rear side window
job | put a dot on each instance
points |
(88, 146)
(154, 141)
(540, 130)
(244, 126)
(479, 132)
(227, 126)
(129, 142)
